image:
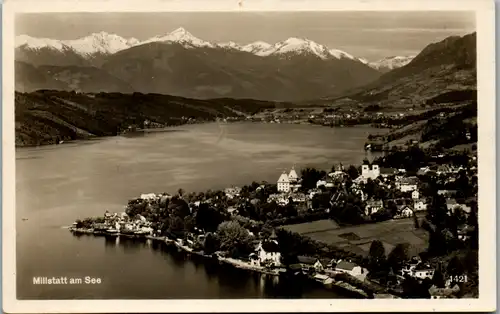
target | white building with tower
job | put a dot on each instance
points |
(370, 171)
(288, 182)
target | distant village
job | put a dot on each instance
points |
(247, 226)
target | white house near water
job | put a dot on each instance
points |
(267, 253)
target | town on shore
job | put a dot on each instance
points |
(401, 226)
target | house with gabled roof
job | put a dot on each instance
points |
(404, 211)
(387, 172)
(420, 204)
(349, 268)
(310, 263)
(423, 271)
(283, 184)
(373, 206)
(407, 184)
(267, 253)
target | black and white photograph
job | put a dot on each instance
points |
(245, 154)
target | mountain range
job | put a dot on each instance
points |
(295, 69)
(442, 73)
(183, 65)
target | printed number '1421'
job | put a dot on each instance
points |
(462, 278)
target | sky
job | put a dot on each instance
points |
(369, 35)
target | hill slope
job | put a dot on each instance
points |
(29, 78)
(445, 66)
(170, 68)
(45, 117)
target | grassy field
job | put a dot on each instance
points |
(312, 227)
(358, 239)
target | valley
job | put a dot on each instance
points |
(179, 78)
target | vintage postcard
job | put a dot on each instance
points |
(241, 156)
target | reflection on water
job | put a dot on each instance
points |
(226, 275)
(222, 274)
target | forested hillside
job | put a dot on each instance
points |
(47, 117)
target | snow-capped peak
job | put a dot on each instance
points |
(364, 61)
(339, 54)
(300, 45)
(258, 48)
(106, 43)
(101, 42)
(38, 43)
(181, 36)
(230, 45)
(391, 63)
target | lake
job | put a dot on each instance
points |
(57, 184)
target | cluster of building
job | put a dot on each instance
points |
(267, 253)
(327, 116)
(121, 223)
(289, 183)
(328, 267)
(398, 179)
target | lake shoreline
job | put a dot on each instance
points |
(340, 286)
(167, 129)
(102, 172)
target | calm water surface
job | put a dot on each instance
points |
(58, 184)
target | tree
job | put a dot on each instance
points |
(211, 244)
(189, 223)
(463, 185)
(473, 222)
(208, 218)
(369, 188)
(376, 255)
(310, 177)
(267, 230)
(231, 234)
(79, 223)
(398, 255)
(438, 212)
(415, 221)
(438, 278)
(413, 289)
(176, 226)
(290, 210)
(178, 207)
(392, 208)
(455, 267)
(353, 172)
